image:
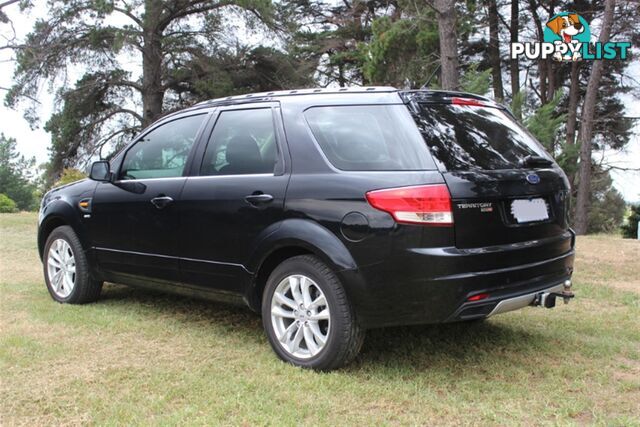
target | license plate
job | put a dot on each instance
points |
(529, 210)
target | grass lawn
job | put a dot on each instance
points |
(137, 357)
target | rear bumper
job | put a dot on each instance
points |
(503, 304)
(432, 285)
(516, 303)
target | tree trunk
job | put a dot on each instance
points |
(7, 3)
(493, 50)
(551, 78)
(152, 88)
(448, 47)
(514, 64)
(572, 113)
(342, 82)
(550, 64)
(586, 127)
(542, 66)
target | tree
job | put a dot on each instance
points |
(586, 127)
(242, 70)
(541, 63)
(474, 81)
(162, 33)
(69, 176)
(574, 94)
(404, 49)
(400, 52)
(92, 115)
(15, 175)
(546, 79)
(545, 123)
(514, 63)
(448, 44)
(3, 17)
(630, 228)
(607, 205)
(109, 102)
(382, 42)
(336, 35)
(493, 51)
(6, 204)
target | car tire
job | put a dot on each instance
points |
(340, 331)
(66, 269)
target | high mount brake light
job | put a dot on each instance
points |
(468, 101)
(422, 204)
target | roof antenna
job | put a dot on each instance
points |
(424, 86)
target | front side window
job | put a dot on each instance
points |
(242, 142)
(163, 152)
(369, 137)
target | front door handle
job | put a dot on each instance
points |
(259, 199)
(161, 202)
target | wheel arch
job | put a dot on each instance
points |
(58, 213)
(292, 238)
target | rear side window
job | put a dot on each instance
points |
(463, 137)
(242, 142)
(369, 137)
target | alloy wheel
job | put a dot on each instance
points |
(61, 268)
(300, 316)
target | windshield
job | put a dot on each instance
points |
(462, 137)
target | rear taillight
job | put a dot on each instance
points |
(423, 204)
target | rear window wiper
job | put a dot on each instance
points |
(533, 161)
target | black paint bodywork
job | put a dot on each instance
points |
(211, 243)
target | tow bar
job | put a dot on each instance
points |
(548, 299)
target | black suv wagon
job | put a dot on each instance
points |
(330, 211)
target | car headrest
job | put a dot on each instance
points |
(243, 150)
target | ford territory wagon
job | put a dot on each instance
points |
(328, 211)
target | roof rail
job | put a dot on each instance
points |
(266, 96)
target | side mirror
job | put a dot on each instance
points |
(100, 171)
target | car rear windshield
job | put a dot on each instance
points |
(463, 137)
(369, 137)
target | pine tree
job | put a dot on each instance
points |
(15, 177)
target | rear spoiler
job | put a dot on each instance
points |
(446, 97)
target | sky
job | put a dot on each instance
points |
(35, 142)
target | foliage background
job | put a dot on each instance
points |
(114, 66)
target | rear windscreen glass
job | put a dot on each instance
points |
(369, 137)
(463, 137)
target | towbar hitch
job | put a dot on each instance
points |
(548, 299)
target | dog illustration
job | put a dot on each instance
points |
(566, 27)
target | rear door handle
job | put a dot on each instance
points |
(161, 202)
(259, 199)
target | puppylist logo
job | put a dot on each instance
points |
(567, 37)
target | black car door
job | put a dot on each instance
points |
(236, 198)
(135, 219)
